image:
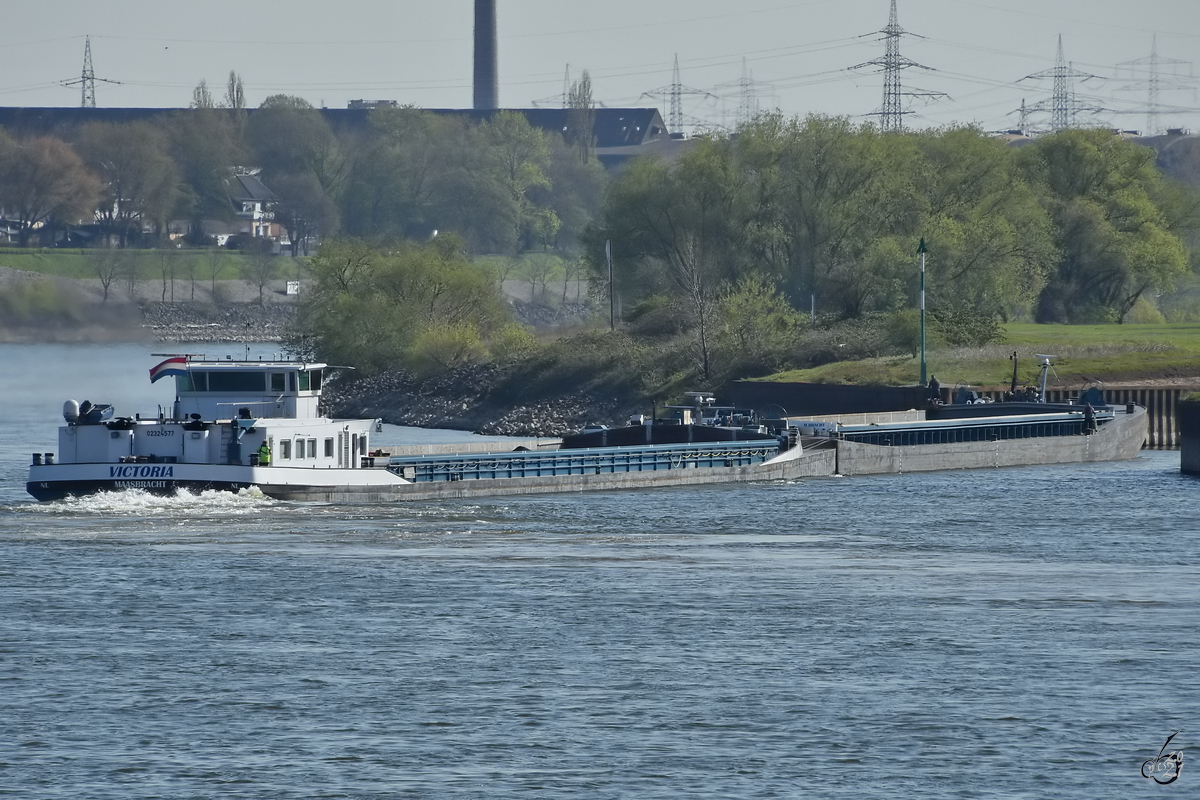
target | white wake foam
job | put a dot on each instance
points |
(140, 503)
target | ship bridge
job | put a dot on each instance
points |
(213, 390)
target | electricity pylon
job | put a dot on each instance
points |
(1063, 105)
(1154, 82)
(674, 95)
(891, 115)
(87, 80)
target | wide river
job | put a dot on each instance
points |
(1019, 633)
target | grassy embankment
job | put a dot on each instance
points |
(1108, 353)
(63, 263)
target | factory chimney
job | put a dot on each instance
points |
(487, 77)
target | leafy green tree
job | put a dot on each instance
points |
(991, 242)
(439, 347)
(390, 189)
(521, 155)
(290, 137)
(677, 231)
(370, 305)
(575, 193)
(1115, 232)
(511, 343)
(759, 332)
(303, 209)
(470, 196)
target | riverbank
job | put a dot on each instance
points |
(38, 308)
(465, 399)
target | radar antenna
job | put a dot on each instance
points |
(1046, 367)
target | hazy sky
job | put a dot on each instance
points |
(799, 53)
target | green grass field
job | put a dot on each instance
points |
(74, 263)
(1108, 353)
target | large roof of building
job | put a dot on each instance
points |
(615, 127)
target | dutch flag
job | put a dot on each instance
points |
(172, 366)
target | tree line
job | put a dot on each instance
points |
(501, 185)
(723, 258)
(1074, 227)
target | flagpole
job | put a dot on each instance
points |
(921, 252)
(612, 317)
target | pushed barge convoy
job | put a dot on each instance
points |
(256, 424)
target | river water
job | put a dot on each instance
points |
(1020, 633)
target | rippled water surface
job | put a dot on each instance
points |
(1013, 633)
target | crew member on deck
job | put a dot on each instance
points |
(264, 454)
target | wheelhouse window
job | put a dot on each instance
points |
(197, 381)
(192, 382)
(316, 379)
(305, 382)
(277, 382)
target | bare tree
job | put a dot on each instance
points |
(43, 179)
(130, 270)
(260, 267)
(105, 265)
(537, 271)
(214, 261)
(235, 95)
(141, 182)
(572, 270)
(191, 266)
(201, 96)
(693, 276)
(167, 261)
(581, 118)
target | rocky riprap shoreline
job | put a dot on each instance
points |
(229, 323)
(463, 400)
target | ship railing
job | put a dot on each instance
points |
(980, 429)
(584, 461)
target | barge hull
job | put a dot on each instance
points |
(1121, 439)
(814, 464)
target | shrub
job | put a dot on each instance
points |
(512, 343)
(1144, 313)
(438, 348)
